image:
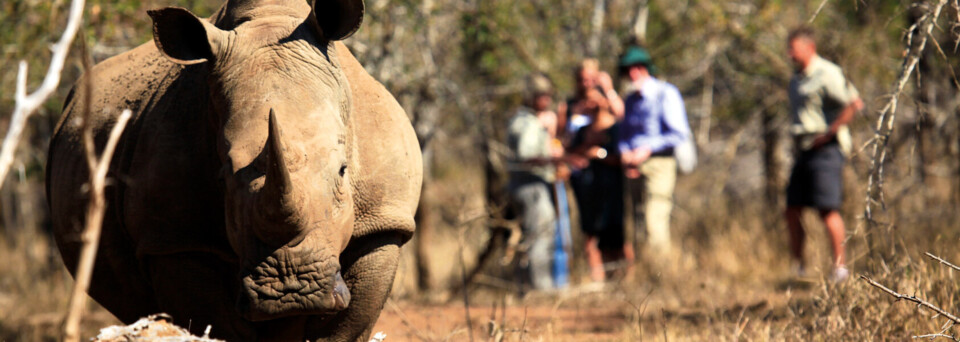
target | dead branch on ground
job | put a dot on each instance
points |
(26, 105)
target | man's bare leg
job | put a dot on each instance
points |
(595, 260)
(797, 235)
(836, 230)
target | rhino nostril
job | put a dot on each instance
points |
(341, 294)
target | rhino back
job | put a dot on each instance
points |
(165, 167)
(389, 170)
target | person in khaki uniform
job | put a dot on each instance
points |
(655, 122)
(533, 171)
(822, 102)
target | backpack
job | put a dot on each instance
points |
(686, 155)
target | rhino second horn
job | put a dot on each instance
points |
(277, 187)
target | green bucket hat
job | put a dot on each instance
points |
(636, 55)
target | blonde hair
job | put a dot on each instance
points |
(591, 64)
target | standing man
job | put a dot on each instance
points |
(532, 173)
(655, 122)
(822, 102)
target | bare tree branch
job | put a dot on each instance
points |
(888, 112)
(934, 257)
(934, 336)
(26, 105)
(953, 73)
(955, 28)
(914, 299)
(94, 221)
(815, 14)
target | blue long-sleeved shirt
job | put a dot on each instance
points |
(654, 118)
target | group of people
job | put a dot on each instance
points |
(601, 140)
(597, 141)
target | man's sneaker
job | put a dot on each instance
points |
(840, 274)
(799, 271)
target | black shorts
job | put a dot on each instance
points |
(816, 180)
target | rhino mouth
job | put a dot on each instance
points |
(289, 283)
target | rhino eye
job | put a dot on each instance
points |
(343, 169)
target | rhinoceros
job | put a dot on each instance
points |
(264, 185)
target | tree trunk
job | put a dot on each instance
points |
(956, 179)
(640, 24)
(706, 101)
(927, 101)
(596, 27)
(955, 156)
(425, 124)
(425, 235)
(426, 119)
(771, 161)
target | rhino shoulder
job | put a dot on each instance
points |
(389, 169)
(124, 81)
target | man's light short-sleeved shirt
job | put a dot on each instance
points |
(528, 139)
(817, 95)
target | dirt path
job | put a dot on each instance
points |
(410, 322)
(614, 315)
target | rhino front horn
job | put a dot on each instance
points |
(277, 187)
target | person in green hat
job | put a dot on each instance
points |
(655, 122)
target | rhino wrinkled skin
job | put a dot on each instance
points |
(264, 185)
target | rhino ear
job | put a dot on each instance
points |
(336, 19)
(182, 37)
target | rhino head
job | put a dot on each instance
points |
(280, 107)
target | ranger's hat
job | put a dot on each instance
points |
(635, 55)
(537, 84)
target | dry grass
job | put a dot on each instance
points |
(35, 289)
(731, 280)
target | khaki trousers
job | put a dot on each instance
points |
(659, 178)
(538, 218)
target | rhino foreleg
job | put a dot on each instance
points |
(368, 266)
(197, 289)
